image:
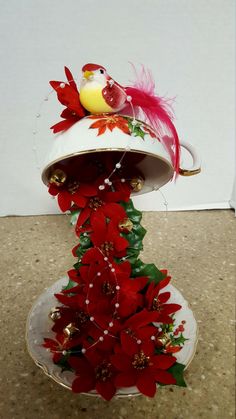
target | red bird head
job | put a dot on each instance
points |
(92, 67)
(94, 72)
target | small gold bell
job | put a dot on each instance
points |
(58, 177)
(70, 330)
(164, 340)
(137, 184)
(126, 225)
(55, 314)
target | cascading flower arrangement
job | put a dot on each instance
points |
(113, 324)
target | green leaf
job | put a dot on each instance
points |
(167, 328)
(84, 244)
(74, 217)
(178, 341)
(134, 215)
(136, 129)
(132, 255)
(70, 285)
(141, 269)
(63, 363)
(177, 370)
(85, 241)
(135, 242)
(77, 265)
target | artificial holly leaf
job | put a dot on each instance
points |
(150, 270)
(85, 241)
(138, 232)
(167, 328)
(135, 241)
(134, 215)
(178, 341)
(70, 284)
(136, 129)
(177, 370)
(132, 255)
(63, 363)
(74, 217)
(80, 252)
(77, 265)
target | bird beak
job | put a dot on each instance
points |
(88, 74)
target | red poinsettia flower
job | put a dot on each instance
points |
(72, 192)
(115, 286)
(77, 321)
(75, 276)
(106, 239)
(138, 333)
(142, 370)
(103, 202)
(87, 309)
(155, 301)
(95, 372)
(68, 95)
(104, 122)
(56, 347)
(69, 119)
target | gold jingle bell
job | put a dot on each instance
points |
(58, 177)
(137, 184)
(126, 225)
(55, 314)
(164, 340)
(70, 330)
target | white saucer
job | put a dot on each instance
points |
(39, 326)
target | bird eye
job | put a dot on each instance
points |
(101, 71)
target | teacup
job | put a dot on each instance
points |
(123, 137)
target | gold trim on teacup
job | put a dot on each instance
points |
(45, 174)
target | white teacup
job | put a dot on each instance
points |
(118, 134)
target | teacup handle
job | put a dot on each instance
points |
(196, 166)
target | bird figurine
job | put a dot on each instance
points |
(99, 94)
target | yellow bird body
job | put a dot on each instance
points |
(92, 99)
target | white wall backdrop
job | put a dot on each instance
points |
(188, 45)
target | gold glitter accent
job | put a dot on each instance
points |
(107, 247)
(156, 304)
(141, 361)
(95, 203)
(103, 371)
(130, 332)
(107, 288)
(73, 187)
(82, 317)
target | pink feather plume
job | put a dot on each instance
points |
(156, 111)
